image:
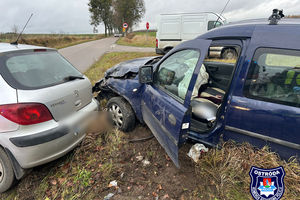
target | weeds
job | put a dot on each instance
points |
(97, 70)
(51, 40)
(228, 170)
(138, 39)
(83, 177)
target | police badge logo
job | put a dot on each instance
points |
(267, 183)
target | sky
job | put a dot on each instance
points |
(72, 16)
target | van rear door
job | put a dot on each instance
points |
(193, 26)
(169, 28)
(265, 105)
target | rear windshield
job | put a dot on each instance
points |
(33, 70)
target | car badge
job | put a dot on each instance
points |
(267, 183)
(76, 93)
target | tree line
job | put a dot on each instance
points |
(113, 13)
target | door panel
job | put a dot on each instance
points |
(268, 110)
(164, 116)
(165, 104)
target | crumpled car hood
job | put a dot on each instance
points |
(123, 68)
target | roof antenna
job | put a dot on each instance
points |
(16, 42)
(276, 16)
(221, 14)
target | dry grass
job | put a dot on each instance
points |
(293, 16)
(138, 40)
(227, 171)
(97, 70)
(51, 40)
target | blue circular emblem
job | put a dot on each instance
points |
(267, 184)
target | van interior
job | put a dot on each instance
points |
(207, 103)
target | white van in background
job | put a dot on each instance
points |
(176, 28)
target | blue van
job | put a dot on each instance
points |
(192, 93)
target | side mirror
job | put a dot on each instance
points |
(146, 74)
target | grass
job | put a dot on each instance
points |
(57, 41)
(98, 69)
(138, 39)
(228, 170)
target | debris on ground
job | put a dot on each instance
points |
(113, 184)
(146, 163)
(139, 158)
(109, 196)
(196, 151)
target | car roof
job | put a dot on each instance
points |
(7, 47)
(246, 28)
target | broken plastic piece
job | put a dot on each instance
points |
(139, 158)
(113, 184)
(146, 163)
(109, 196)
(196, 151)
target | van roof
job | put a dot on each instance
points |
(7, 47)
(197, 13)
(246, 28)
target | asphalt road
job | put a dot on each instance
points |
(82, 56)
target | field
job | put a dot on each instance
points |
(51, 40)
(138, 39)
(109, 155)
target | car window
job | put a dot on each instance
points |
(274, 76)
(38, 69)
(176, 71)
(213, 24)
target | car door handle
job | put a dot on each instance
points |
(78, 103)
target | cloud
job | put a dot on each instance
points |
(72, 16)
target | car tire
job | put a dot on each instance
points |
(229, 54)
(121, 114)
(7, 175)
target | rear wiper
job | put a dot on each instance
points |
(71, 78)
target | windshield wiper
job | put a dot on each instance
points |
(71, 78)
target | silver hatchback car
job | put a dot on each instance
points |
(44, 101)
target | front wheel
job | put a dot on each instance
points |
(121, 114)
(7, 175)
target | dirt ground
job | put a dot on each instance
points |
(142, 170)
(160, 179)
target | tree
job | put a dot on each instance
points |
(129, 11)
(113, 13)
(101, 12)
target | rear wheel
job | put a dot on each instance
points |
(229, 54)
(121, 114)
(7, 176)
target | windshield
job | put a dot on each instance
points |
(32, 70)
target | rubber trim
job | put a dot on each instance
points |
(40, 138)
(19, 171)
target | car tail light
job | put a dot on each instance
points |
(26, 113)
(156, 43)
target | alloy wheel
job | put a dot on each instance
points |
(1, 172)
(116, 115)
